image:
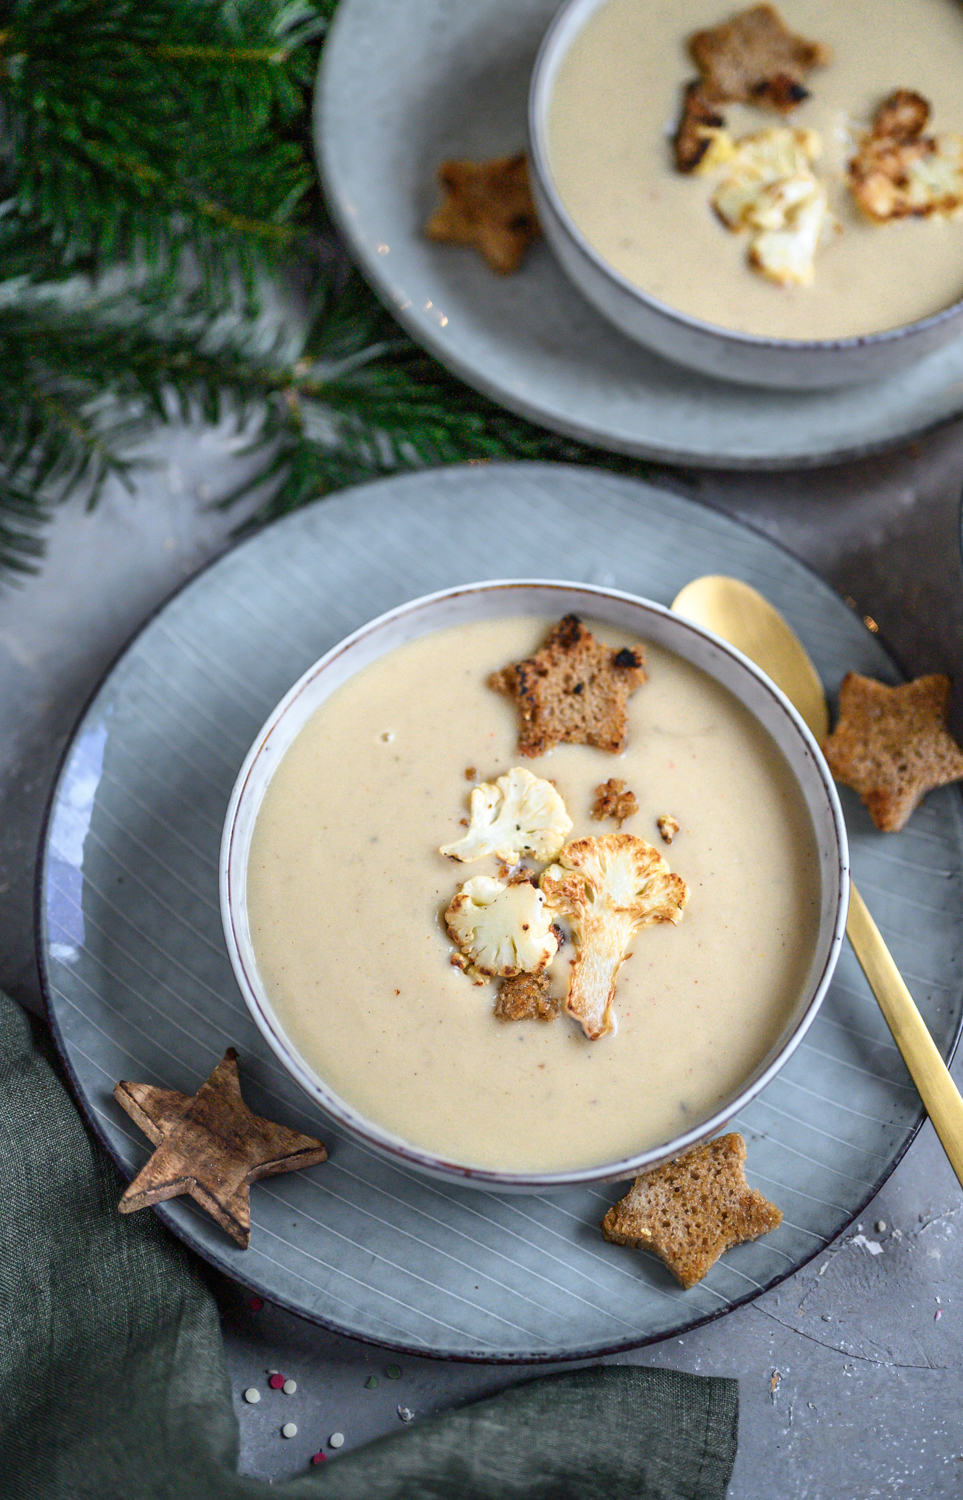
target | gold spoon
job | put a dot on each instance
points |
(748, 621)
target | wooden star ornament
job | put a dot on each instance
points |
(891, 744)
(211, 1147)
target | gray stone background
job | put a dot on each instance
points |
(850, 1373)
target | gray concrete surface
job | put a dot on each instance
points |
(850, 1373)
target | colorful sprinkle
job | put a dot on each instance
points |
(276, 1382)
(319, 1458)
(938, 1314)
(289, 1430)
(252, 1394)
(256, 1303)
(337, 1441)
(289, 1387)
(393, 1372)
(371, 1382)
(406, 1414)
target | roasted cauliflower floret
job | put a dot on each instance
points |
(515, 815)
(772, 192)
(501, 929)
(900, 171)
(608, 888)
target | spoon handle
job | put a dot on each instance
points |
(920, 1054)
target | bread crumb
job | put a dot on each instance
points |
(613, 801)
(526, 997)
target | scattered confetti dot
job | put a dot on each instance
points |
(393, 1372)
(405, 1413)
(336, 1440)
(289, 1387)
(289, 1430)
(276, 1382)
(252, 1394)
(371, 1382)
(319, 1458)
(256, 1303)
(880, 1226)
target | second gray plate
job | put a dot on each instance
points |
(407, 83)
(139, 986)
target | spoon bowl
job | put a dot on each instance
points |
(749, 622)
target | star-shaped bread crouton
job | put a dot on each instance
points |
(755, 59)
(891, 744)
(211, 1147)
(488, 205)
(574, 689)
(692, 1210)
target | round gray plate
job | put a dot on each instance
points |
(407, 83)
(139, 985)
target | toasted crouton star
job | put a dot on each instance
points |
(488, 205)
(692, 1210)
(755, 59)
(573, 689)
(891, 744)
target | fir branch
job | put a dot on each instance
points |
(113, 166)
(143, 128)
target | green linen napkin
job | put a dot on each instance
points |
(114, 1387)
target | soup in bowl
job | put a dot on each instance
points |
(651, 245)
(352, 834)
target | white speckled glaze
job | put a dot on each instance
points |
(720, 352)
(504, 599)
(405, 84)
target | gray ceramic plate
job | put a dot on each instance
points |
(139, 985)
(407, 83)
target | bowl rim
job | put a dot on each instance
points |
(539, 94)
(232, 861)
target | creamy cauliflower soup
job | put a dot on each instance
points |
(613, 111)
(347, 890)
